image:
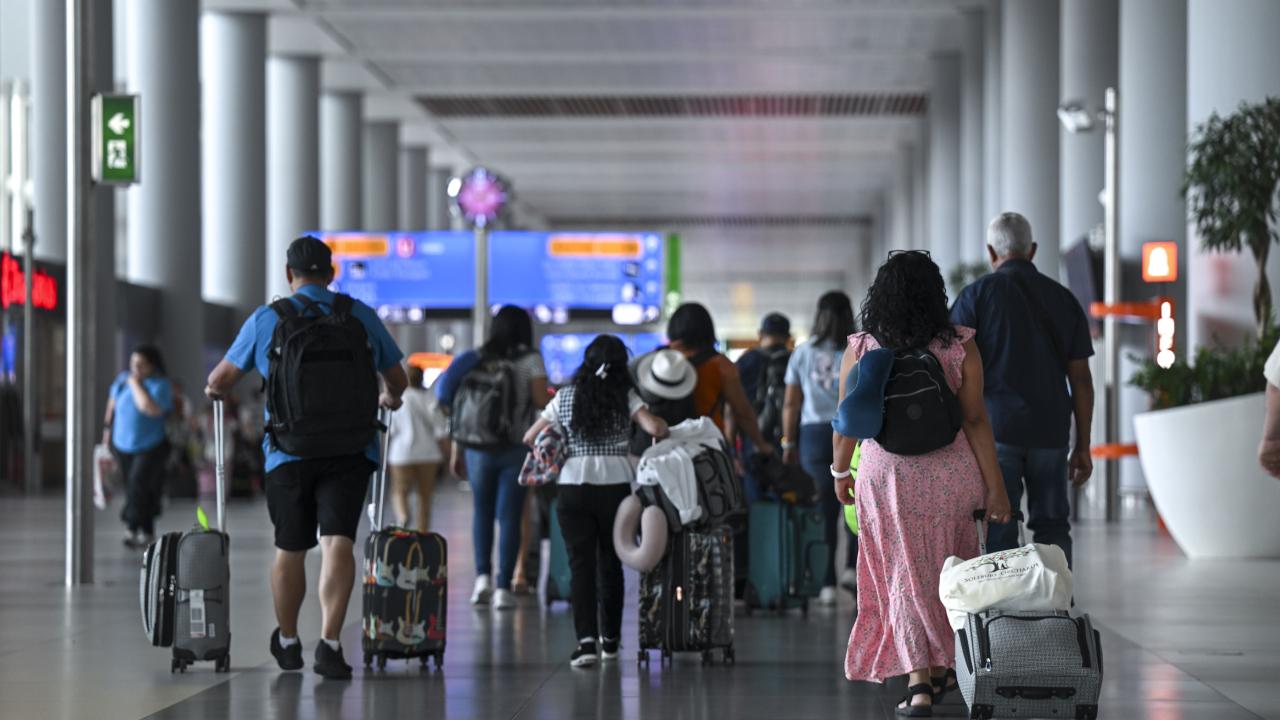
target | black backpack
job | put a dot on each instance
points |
(921, 413)
(322, 386)
(484, 408)
(771, 391)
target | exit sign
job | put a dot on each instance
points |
(115, 139)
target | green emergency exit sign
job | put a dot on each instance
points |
(115, 139)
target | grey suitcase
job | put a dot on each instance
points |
(1042, 664)
(202, 600)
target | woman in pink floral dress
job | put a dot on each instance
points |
(914, 511)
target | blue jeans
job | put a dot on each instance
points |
(497, 495)
(816, 459)
(1044, 473)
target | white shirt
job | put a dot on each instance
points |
(597, 469)
(416, 430)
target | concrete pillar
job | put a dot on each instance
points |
(293, 160)
(1029, 122)
(438, 213)
(1152, 143)
(992, 111)
(164, 209)
(920, 193)
(972, 235)
(900, 210)
(944, 162)
(49, 130)
(381, 175)
(413, 188)
(1232, 56)
(106, 351)
(341, 164)
(1089, 52)
(234, 84)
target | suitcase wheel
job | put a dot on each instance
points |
(439, 661)
(642, 658)
(173, 666)
(707, 659)
(223, 664)
(382, 662)
(730, 657)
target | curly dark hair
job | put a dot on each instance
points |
(600, 403)
(906, 306)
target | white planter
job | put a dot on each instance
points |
(1201, 463)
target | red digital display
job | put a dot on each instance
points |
(13, 291)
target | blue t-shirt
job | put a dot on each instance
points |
(1026, 389)
(131, 430)
(249, 352)
(816, 369)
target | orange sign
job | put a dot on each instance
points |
(1160, 261)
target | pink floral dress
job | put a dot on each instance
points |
(914, 511)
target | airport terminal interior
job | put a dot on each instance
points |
(601, 165)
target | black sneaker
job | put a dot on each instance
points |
(608, 649)
(584, 656)
(330, 663)
(288, 658)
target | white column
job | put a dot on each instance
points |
(1089, 55)
(107, 362)
(1232, 56)
(920, 193)
(1152, 145)
(899, 235)
(413, 188)
(992, 111)
(381, 175)
(234, 84)
(164, 209)
(438, 198)
(1029, 92)
(944, 162)
(293, 166)
(341, 165)
(972, 236)
(49, 129)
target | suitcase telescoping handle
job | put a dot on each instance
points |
(380, 488)
(979, 521)
(220, 464)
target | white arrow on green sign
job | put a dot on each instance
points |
(115, 139)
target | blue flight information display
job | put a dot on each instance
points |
(562, 352)
(403, 275)
(551, 272)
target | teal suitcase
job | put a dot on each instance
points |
(558, 573)
(787, 556)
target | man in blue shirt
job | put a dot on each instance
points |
(1035, 345)
(304, 494)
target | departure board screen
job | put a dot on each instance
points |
(405, 274)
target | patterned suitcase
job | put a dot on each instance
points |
(686, 603)
(406, 587)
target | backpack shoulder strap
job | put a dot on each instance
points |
(285, 309)
(1040, 315)
(343, 304)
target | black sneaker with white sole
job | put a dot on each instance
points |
(288, 658)
(330, 663)
(608, 649)
(584, 656)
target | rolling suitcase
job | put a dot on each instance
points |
(686, 603)
(1028, 664)
(405, 589)
(185, 585)
(559, 576)
(788, 556)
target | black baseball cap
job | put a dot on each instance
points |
(308, 254)
(775, 324)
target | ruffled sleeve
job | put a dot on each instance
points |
(860, 343)
(952, 354)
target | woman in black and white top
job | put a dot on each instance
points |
(596, 411)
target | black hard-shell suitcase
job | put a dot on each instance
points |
(406, 588)
(158, 583)
(686, 603)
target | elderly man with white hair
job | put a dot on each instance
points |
(1035, 345)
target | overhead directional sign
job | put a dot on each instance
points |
(115, 139)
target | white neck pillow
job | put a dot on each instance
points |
(651, 525)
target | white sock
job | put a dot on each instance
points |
(333, 644)
(287, 641)
(587, 641)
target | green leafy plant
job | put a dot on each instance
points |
(1230, 186)
(1217, 372)
(962, 275)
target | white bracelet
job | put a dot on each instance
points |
(836, 475)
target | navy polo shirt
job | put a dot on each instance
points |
(1027, 395)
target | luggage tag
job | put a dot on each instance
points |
(197, 613)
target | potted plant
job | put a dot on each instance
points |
(1198, 446)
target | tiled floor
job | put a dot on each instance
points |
(1184, 641)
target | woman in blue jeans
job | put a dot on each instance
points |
(493, 471)
(813, 385)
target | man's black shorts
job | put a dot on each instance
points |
(324, 492)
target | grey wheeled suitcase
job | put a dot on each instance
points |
(185, 586)
(686, 602)
(1040, 664)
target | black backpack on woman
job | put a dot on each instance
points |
(921, 412)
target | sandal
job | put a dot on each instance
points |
(910, 710)
(944, 684)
